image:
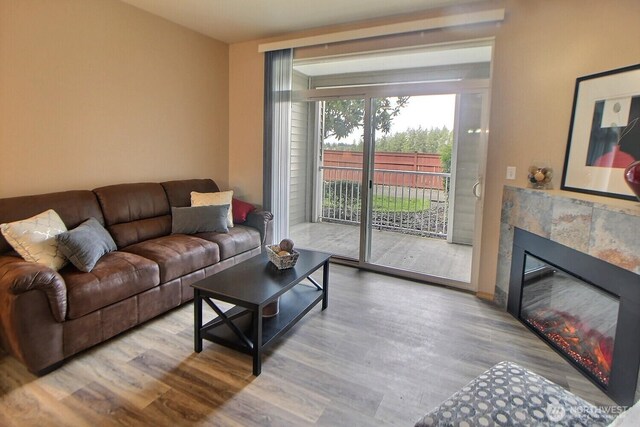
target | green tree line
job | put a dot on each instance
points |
(433, 141)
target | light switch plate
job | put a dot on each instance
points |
(511, 172)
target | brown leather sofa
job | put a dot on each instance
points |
(48, 316)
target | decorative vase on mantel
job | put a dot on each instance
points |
(632, 176)
(539, 177)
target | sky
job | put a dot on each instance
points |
(427, 111)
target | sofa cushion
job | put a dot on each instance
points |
(179, 192)
(134, 213)
(177, 254)
(239, 239)
(116, 276)
(73, 207)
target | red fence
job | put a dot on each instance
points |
(414, 162)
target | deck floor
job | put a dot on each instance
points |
(424, 255)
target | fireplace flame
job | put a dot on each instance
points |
(586, 346)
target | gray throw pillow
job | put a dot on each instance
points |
(86, 244)
(199, 219)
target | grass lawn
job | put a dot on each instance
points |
(385, 204)
(397, 204)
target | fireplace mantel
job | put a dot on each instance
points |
(605, 228)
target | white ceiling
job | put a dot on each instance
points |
(240, 20)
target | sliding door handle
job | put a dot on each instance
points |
(475, 188)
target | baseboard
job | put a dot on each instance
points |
(484, 295)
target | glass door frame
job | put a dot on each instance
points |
(369, 93)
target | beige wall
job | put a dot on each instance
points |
(541, 48)
(96, 92)
(540, 51)
(246, 107)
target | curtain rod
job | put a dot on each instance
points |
(469, 18)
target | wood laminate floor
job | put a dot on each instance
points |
(385, 352)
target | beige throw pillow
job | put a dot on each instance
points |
(35, 238)
(214, 199)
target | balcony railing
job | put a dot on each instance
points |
(405, 201)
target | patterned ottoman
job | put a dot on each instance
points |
(510, 395)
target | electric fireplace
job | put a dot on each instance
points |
(577, 318)
(586, 309)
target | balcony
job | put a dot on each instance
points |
(410, 215)
(407, 202)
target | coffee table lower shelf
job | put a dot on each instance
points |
(294, 305)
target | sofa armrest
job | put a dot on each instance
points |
(263, 222)
(18, 276)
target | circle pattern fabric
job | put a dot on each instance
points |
(510, 395)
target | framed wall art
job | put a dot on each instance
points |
(604, 136)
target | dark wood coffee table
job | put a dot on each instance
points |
(250, 286)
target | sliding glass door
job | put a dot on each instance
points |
(425, 176)
(387, 160)
(396, 182)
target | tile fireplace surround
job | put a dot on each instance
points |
(608, 229)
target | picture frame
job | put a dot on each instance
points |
(604, 135)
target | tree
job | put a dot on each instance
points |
(342, 116)
(445, 157)
(416, 140)
(432, 141)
